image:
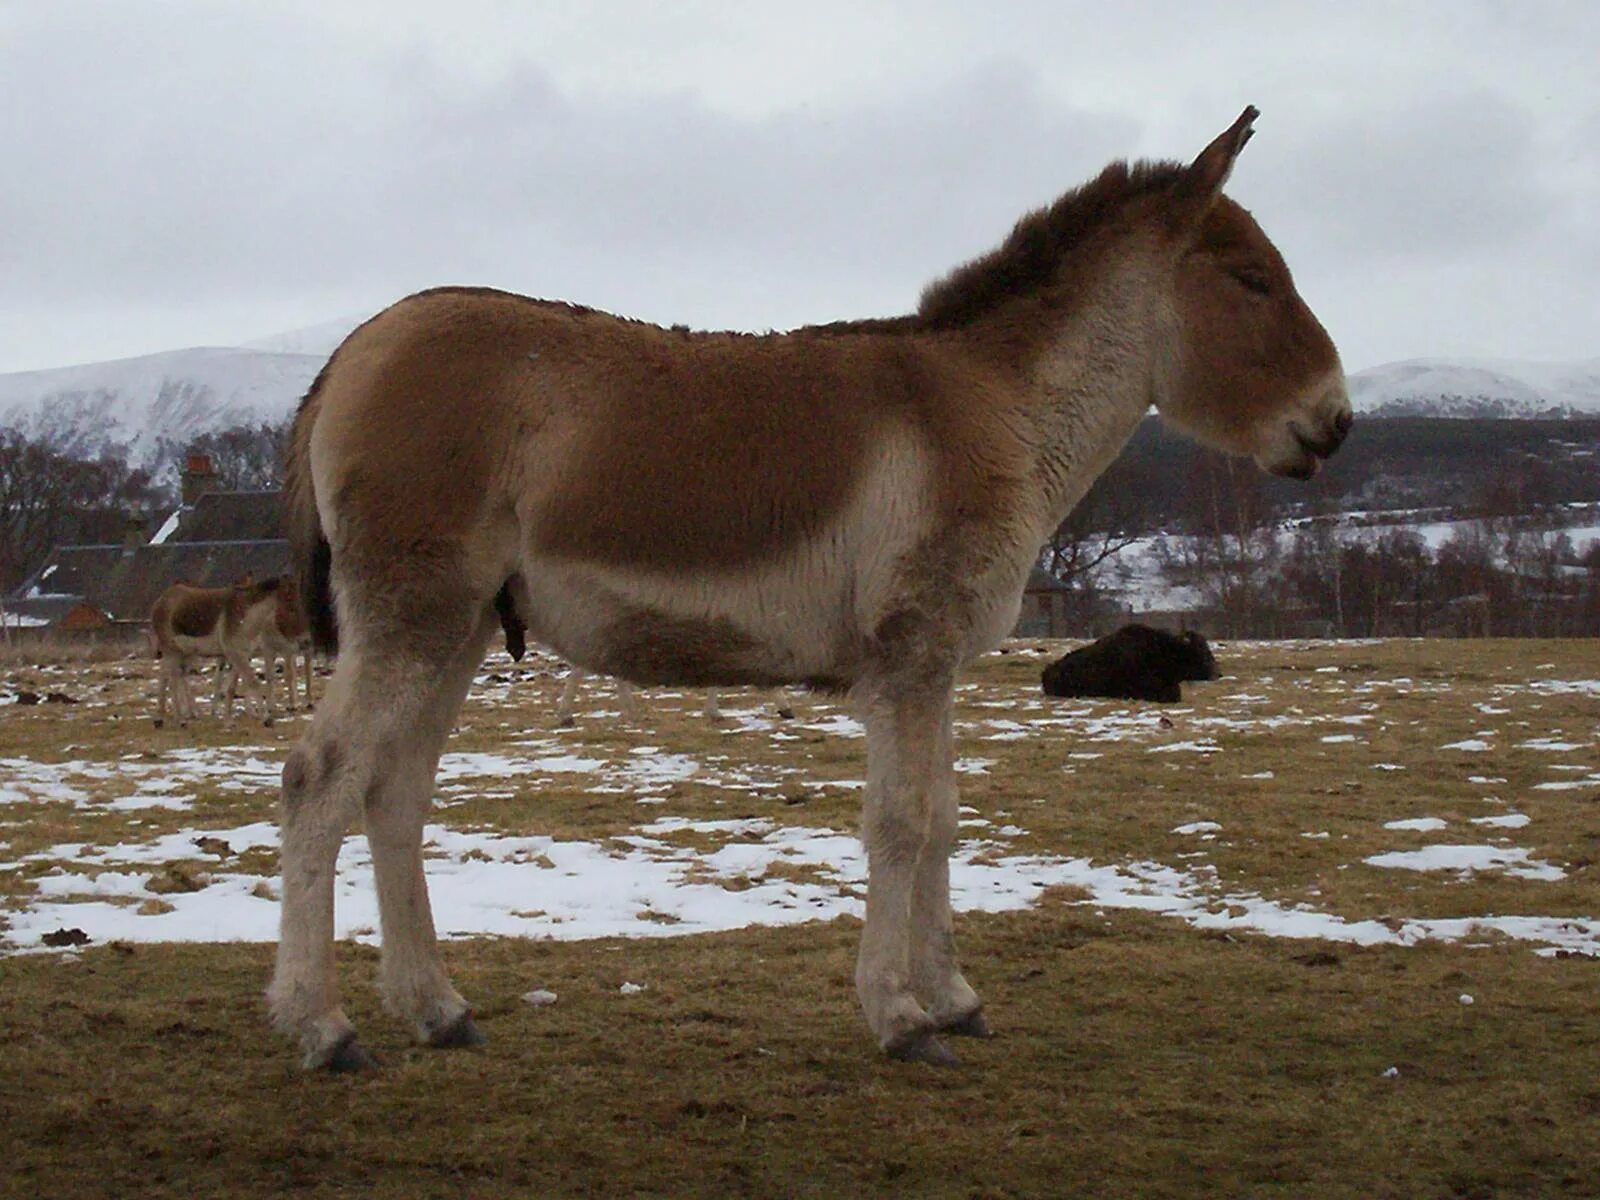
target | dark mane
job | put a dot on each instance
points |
(1027, 258)
(905, 324)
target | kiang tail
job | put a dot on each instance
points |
(309, 550)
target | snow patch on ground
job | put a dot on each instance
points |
(1509, 821)
(1465, 860)
(1421, 824)
(660, 879)
(1570, 785)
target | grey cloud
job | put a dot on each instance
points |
(1438, 179)
(176, 168)
(887, 192)
(230, 166)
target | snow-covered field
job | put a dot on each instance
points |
(175, 842)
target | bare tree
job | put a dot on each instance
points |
(246, 458)
(1085, 545)
(1541, 564)
(48, 497)
(1230, 553)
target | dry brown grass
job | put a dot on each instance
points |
(25, 650)
(1137, 1056)
(1134, 1059)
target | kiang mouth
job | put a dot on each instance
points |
(1311, 451)
(1317, 448)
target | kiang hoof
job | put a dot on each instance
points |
(159, 722)
(459, 1034)
(973, 1025)
(924, 1048)
(566, 723)
(348, 1057)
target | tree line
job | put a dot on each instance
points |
(1245, 561)
(1250, 556)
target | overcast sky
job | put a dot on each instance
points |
(181, 173)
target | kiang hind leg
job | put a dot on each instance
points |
(413, 978)
(290, 681)
(569, 695)
(163, 687)
(182, 695)
(628, 700)
(222, 694)
(372, 745)
(325, 779)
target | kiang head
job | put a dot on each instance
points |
(1252, 371)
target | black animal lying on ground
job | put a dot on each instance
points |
(1134, 663)
(48, 698)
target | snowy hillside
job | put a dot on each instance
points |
(155, 403)
(139, 403)
(1434, 387)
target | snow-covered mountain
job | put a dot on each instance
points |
(1468, 387)
(152, 404)
(141, 403)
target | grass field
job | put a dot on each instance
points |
(1328, 928)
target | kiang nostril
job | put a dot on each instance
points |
(1342, 423)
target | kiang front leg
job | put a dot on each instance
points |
(904, 743)
(255, 692)
(935, 977)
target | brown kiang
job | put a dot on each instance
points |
(853, 505)
(230, 625)
(189, 624)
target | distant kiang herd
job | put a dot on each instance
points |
(853, 506)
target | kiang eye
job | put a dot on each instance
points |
(1252, 280)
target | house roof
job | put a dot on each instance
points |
(124, 582)
(39, 610)
(230, 517)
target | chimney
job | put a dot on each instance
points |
(199, 477)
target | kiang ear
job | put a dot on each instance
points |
(1203, 180)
